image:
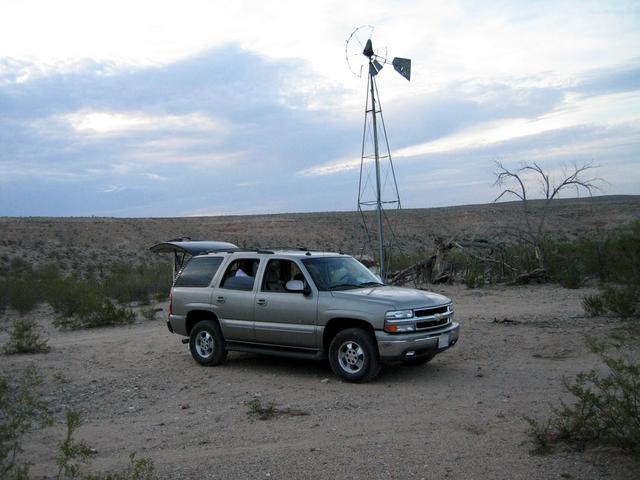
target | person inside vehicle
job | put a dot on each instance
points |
(245, 266)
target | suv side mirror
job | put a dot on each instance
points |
(297, 286)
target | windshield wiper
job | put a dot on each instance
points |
(343, 285)
(360, 285)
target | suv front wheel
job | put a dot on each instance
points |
(207, 344)
(353, 355)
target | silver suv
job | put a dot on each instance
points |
(304, 304)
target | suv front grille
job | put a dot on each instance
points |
(427, 312)
(433, 317)
(432, 323)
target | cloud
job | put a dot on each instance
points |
(338, 166)
(155, 177)
(186, 110)
(202, 125)
(114, 123)
(575, 111)
(612, 79)
(113, 189)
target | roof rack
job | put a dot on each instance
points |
(262, 250)
(286, 247)
(236, 250)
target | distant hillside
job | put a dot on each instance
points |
(78, 240)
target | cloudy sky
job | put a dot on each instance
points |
(158, 108)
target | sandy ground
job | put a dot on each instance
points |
(461, 416)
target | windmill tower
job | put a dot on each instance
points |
(377, 187)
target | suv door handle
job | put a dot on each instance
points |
(220, 299)
(261, 301)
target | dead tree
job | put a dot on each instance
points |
(432, 269)
(438, 267)
(514, 183)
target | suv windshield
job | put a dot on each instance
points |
(339, 273)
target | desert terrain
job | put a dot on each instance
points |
(84, 240)
(460, 416)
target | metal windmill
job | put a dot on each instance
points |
(361, 58)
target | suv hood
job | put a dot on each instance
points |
(398, 297)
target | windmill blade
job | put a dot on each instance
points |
(403, 66)
(368, 49)
(375, 67)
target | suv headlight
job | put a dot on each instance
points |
(399, 321)
(398, 315)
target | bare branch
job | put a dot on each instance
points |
(505, 177)
(575, 180)
(507, 192)
(512, 183)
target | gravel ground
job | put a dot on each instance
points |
(460, 416)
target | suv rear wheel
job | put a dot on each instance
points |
(353, 355)
(207, 344)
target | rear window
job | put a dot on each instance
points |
(199, 272)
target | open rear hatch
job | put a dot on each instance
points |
(185, 248)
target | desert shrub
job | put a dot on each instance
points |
(262, 412)
(402, 261)
(80, 293)
(565, 262)
(569, 276)
(19, 266)
(615, 301)
(21, 410)
(621, 301)
(105, 314)
(492, 264)
(542, 436)
(47, 273)
(605, 410)
(473, 280)
(25, 338)
(127, 284)
(149, 313)
(609, 257)
(71, 295)
(4, 299)
(139, 469)
(469, 269)
(22, 294)
(593, 305)
(520, 257)
(624, 256)
(72, 453)
(161, 296)
(595, 257)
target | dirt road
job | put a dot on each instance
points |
(461, 416)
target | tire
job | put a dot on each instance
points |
(207, 344)
(419, 360)
(353, 355)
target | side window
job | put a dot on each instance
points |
(240, 274)
(198, 272)
(278, 273)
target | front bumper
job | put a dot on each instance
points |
(411, 345)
